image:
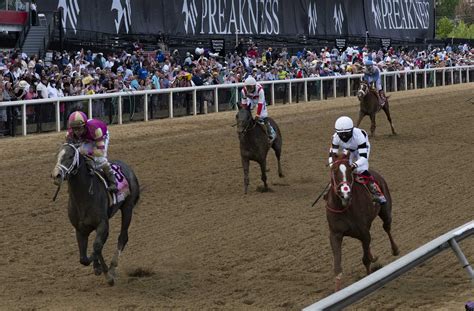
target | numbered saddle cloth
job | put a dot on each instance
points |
(123, 188)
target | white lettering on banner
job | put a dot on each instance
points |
(226, 17)
(338, 18)
(401, 14)
(70, 12)
(123, 12)
(312, 18)
(190, 16)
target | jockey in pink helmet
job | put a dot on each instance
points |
(93, 137)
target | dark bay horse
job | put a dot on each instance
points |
(369, 105)
(254, 145)
(350, 212)
(89, 210)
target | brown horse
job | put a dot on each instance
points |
(350, 212)
(369, 105)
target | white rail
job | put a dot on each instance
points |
(462, 72)
(376, 280)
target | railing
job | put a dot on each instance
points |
(378, 279)
(171, 102)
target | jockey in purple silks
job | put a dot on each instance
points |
(93, 137)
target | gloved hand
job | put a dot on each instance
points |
(257, 118)
(354, 166)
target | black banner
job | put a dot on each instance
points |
(218, 46)
(400, 19)
(396, 19)
(385, 43)
(341, 44)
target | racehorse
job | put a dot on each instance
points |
(369, 105)
(89, 209)
(254, 145)
(350, 212)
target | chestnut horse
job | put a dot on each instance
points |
(350, 212)
(369, 105)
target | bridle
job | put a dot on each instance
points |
(335, 187)
(363, 90)
(250, 125)
(72, 169)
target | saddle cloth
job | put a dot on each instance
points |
(122, 184)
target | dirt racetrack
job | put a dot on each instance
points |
(196, 242)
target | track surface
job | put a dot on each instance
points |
(196, 242)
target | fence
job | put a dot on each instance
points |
(51, 114)
(376, 280)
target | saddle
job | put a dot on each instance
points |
(122, 184)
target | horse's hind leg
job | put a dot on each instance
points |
(277, 148)
(386, 109)
(122, 239)
(386, 215)
(99, 242)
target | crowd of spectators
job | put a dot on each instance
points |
(83, 72)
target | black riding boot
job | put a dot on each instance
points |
(377, 195)
(270, 132)
(109, 174)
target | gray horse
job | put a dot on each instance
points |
(254, 145)
(89, 206)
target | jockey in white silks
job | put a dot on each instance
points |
(253, 97)
(372, 74)
(355, 141)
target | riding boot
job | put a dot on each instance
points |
(270, 132)
(377, 194)
(382, 98)
(109, 175)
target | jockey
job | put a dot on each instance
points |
(93, 136)
(356, 141)
(253, 95)
(372, 74)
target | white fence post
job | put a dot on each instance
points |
(321, 96)
(334, 87)
(406, 81)
(460, 76)
(444, 77)
(23, 120)
(424, 80)
(120, 110)
(289, 93)
(452, 76)
(89, 107)
(58, 117)
(385, 83)
(145, 108)
(171, 105)
(195, 102)
(273, 93)
(216, 100)
(349, 86)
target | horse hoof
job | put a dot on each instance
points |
(281, 175)
(396, 252)
(374, 259)
(111, 281)
(98, 271)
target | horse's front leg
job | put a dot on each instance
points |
(361, 116)
(336, 243)
(367, 258)
(386, 109)
(99, 242)
(245, 166)
(372, 124)
(82, 241)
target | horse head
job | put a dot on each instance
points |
(67, 163)
(341, 177)
(363, 90)
(244, 121)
